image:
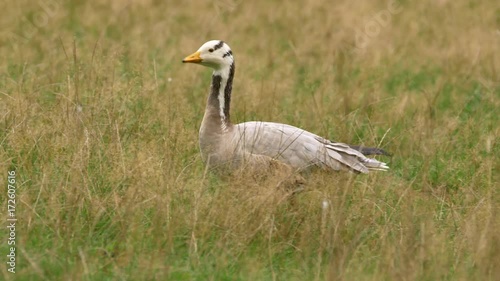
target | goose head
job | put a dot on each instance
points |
(215, 54)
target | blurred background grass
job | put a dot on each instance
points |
(100, 121)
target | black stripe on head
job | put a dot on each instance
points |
(219, 45)
(229, 53)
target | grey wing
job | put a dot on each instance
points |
(300, 148)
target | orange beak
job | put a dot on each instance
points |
(194, 58)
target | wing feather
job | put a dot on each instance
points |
(300, 148)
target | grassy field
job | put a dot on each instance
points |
(99, 121)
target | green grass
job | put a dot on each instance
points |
(100, 122)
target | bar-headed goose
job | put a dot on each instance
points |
(227, 145)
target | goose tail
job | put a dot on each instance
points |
(370, 150)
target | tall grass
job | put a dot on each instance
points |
(100, 122)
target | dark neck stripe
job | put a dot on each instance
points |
(219, 45)
(227, 91)
(215, 87)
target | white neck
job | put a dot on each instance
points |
(224, 74)
(220, 95)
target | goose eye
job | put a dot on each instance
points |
(211, 50)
